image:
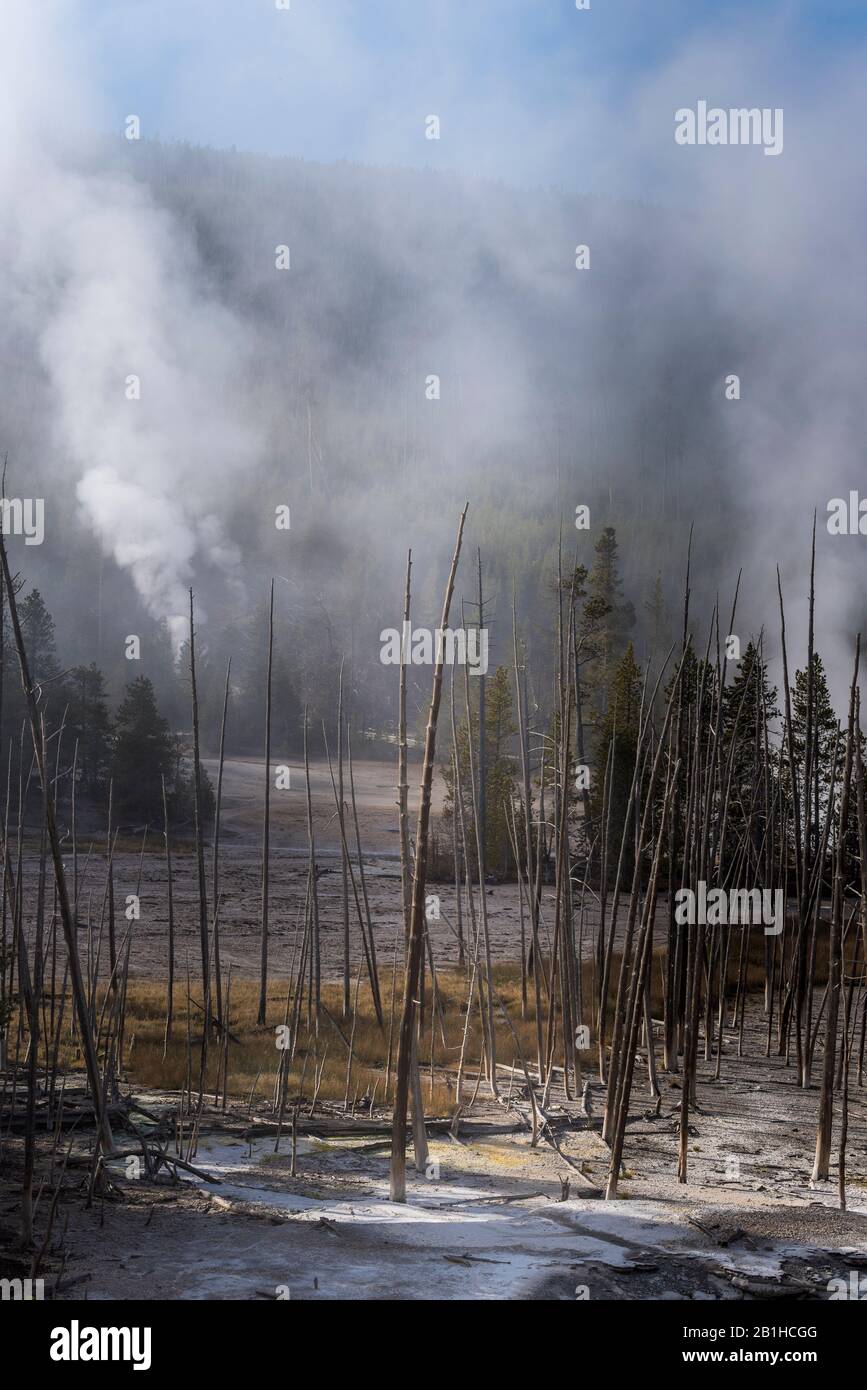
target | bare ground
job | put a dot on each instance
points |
(241, 879)
(489, 1222)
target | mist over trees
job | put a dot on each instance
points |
(548, 395)
(129, 750)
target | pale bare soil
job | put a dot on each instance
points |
(241, 880)
(375, 795)
(757, 1231)
(746, 1225)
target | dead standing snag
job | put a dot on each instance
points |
(69, 932)
(417, 921)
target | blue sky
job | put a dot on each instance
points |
(530, 91)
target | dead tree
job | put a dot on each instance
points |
(200, 842)
(417, 917)
(170, 986)
(315, 996)
(215, 873)
(266, 820)
(69, 925)
(418, 1129)
(344, 853)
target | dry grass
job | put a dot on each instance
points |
(254, 1059)
(321, 1062)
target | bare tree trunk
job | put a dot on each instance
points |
(343, 849)
(200, 848)
(315, 1000)
(112, 949)
(533, 902)
(419, 1133)
(483, 760)
(637, 995)
(402, 776)
(33, 1053)
(170, 989)
(266, 820)
(417, 917)
(69, 925)
(475, 801)
(373, 962)
(218, 983)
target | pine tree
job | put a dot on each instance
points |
(749, 702)
(501, 777)
(37, 627)
(143, 753)
(699, 677)
(658, 628)
(749, 707)
(88, 721)
(611, 618)
(824, 771)
(619, 724)
(824, 726)
(182, 797)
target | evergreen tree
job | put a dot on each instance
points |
(658, 627)
(501, 777)
(699, 679)
(610, 616)
(182, 787)
(88, 721)
(749, 706)
(37, 629)
(145, 751)
(143, 754)
(824, 771)
(749, 703)
(589, 615)
(824, 732)
(620, 725)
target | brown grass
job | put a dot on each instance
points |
(254, 1058)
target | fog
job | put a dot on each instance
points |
(168, 388)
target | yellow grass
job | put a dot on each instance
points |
(254, 1059)
(321, 1062)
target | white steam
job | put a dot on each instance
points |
(143, 367)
